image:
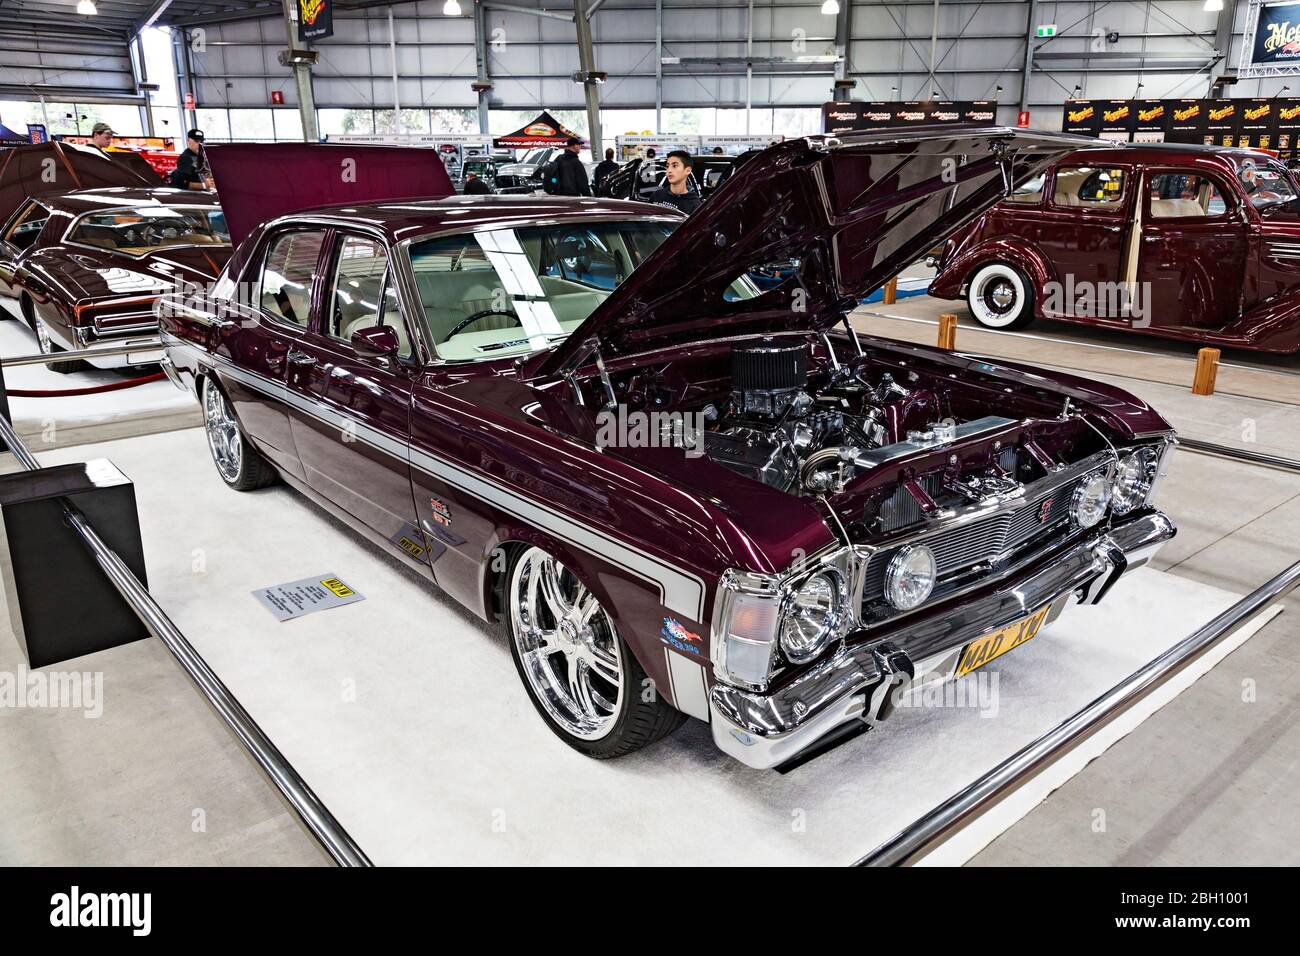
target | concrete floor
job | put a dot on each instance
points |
(1211, 778)
(1208, 780)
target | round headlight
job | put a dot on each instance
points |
(1090, 500)
(910, 577)
(811, 619)
(1132, 481)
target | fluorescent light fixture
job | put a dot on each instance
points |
(832, 7)
(451, 9)
(1213, 6)
(87, 8)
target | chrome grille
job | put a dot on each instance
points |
(966, 545)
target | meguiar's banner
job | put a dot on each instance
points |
(315, 19)
(1277, 35)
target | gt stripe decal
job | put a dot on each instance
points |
(680, 591)
(687, 683)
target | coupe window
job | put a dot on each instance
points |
(1265, 183)
(1183, 196)
(137, 230)
(1088, 186)
(27, 225)
(511, 291)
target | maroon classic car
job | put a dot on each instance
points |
(83, 266)
(1185, 242)
(678, 494)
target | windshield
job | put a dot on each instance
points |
(1265, 183)
(535, 155)
(142, 229)
(503, 292)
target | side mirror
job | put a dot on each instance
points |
(377, 341)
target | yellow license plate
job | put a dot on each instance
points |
(980, 652)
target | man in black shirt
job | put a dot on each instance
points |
(191, 169)
(475, 186)
(604, 169)
(677, 190)
(101, 137)
(570, 174)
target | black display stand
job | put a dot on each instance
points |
(61, 603)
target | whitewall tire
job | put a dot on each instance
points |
(1000, 297)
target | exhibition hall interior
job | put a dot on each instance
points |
(849, 433)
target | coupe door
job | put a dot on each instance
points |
(1194, 250)
(273, 320)
(351, 413)
(1087, 224)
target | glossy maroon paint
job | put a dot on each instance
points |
(457, 456)
(1224, 280)
(79, 290)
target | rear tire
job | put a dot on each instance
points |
(572, 661)
(240, 465)
(50, 347)
(1001, 297)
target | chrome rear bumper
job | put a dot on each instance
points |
(766, 730)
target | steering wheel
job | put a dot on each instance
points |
(471, 319)
(152, 233)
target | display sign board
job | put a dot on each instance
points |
(297, 598)
(1271, 40)
(1258, 123)
(315, 19)
(1151, 124)
(850, 116)
(36, 133)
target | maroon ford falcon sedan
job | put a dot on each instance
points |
(580, 419)
(1185, 242)
(83, 266)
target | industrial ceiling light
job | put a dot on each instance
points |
(831, 7)
(87, 8)
(451, 9)
(1213, 6)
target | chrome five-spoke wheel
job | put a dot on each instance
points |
(567, 646)
(581, 675)
(223, 433)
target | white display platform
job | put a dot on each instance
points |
(406, 717)
(33, 415)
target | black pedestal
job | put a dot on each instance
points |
(61, 603)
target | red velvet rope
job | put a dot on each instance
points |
(88, 390)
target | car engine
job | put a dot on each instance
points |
(777, 429)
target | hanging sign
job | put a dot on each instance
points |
(315, 19)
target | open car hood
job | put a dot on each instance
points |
(48, 168)
(853, 211)
(257, 182)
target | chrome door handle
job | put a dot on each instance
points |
(300, 358)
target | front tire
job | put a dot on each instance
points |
(1000, 297)
(579, 674)
(238, 463)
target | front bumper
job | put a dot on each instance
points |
(853, 686)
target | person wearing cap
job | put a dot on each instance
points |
(191, 166)
(101, 137)
(570, 174)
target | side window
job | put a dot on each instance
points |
(1184, 196)
(27, 225)
(287, 273)
(1091, 187)
(1030, 191)
(363, 293)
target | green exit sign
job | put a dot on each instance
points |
(1046, 30)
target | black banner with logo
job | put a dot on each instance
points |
(315, 19)
(849, 116)
(1277, 35)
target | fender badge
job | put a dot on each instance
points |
(441, 513)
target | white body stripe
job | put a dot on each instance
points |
(688, 685)
(680, 591)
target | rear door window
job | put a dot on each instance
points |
(287, 273)
(1174, 195)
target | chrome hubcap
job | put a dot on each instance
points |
(1001, 295)
(567, 645)
(223, 433)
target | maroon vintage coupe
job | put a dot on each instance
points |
(1186, 242)
(679, 495)
(86, 247)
